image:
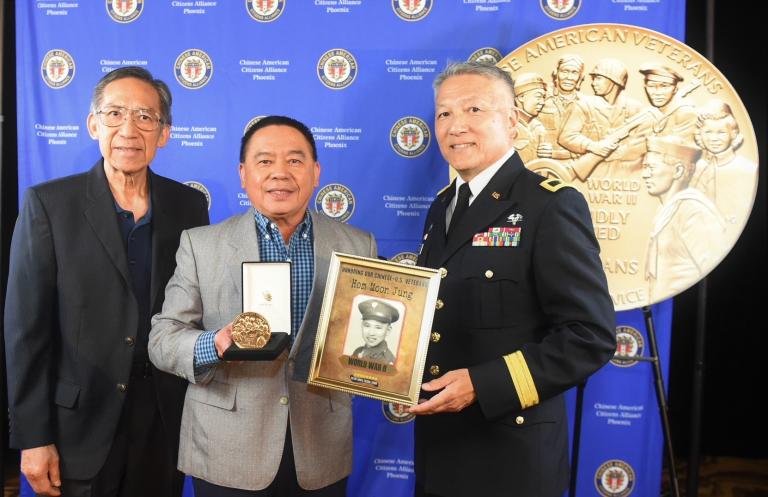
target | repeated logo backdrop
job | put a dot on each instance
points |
(359, 73)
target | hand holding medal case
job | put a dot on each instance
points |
(262, 331)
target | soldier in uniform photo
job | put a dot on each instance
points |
(523, 310)
(377, 317)
(687, 230)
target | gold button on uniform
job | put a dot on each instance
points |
(443, 272)
(129, 341)
(434, 370)
(122, 387)
(284, 400)
(439, 304)
(435, 336)
(489, 274)
(519, 420)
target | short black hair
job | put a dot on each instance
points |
(278, 121)
(138, 73)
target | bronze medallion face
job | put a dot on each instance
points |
(250, 330)
(653, 136)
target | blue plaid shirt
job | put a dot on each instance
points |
(299, 252)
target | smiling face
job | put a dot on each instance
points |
(374, 332)
(279, 173)
(126, 148)
(716, 135)
(475, 122)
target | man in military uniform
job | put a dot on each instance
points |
(687, 230)
(566, 78)
(591, 123)
(376, 325)
(523, 311)
(678, 118)
(530, 90)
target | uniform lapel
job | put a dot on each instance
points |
(100, 214)
(490, 204)
(433, 242)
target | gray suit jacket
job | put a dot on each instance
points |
(235, 415)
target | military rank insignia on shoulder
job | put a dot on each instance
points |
(553, 184)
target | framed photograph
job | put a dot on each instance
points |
(374, 328)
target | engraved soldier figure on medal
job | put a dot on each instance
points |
(530, 93)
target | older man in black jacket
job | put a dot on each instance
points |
(90, 258)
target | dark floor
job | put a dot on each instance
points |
(719, 477)
(725, 477)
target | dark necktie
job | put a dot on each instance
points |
(462, 204)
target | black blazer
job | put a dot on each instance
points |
(70, 310)
(546, 298)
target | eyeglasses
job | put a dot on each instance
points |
(142, 118)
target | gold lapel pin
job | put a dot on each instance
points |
(496, 195)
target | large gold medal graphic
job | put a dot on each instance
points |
(653, 136)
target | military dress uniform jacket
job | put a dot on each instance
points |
(530, 320)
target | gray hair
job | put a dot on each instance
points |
(477, 68)
(139, 73)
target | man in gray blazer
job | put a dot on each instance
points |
(257, 428)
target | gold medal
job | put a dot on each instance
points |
(653, 136)
(250, 330)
